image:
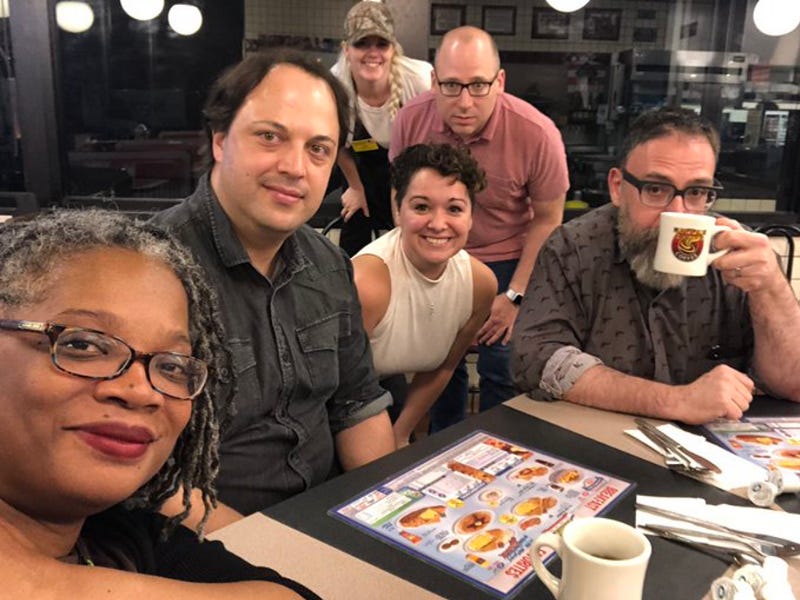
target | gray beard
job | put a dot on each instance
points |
(639, 249)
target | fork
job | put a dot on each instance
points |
(748, 553)
(765, 544)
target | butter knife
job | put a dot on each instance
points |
(653, 431)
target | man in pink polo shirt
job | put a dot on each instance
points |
(523, 156)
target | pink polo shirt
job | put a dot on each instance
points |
(523, 155)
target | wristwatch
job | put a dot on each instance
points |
(514, 296)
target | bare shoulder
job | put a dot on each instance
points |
(484, 283)
(374, 286)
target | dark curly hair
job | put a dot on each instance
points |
(660, 122)
(447, 160)
(30, 247)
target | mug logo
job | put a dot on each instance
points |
(687, 244)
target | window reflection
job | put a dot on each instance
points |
(132, 93)
(11, 178)
(129, 92)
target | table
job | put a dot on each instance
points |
(298, 538)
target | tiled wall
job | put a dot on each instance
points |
(522, 41)
(782, 248)
(325, 18)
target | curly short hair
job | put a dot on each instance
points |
(30, 247)
(447, 160)
(661, 122)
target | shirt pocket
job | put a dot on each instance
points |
(503, 193)
(319, 342)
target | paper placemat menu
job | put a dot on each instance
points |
(475, 508)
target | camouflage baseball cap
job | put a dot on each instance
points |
(369, 17)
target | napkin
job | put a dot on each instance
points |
(743, 518)
(736, 471)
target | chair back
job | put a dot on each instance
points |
(789, 232)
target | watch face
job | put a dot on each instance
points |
(515, 297)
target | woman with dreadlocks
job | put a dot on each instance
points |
(380, 79)
(112, 365)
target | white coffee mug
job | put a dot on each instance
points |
(684, 243)
(601, 559)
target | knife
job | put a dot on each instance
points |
(666, 441)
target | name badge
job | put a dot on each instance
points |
(364, 145)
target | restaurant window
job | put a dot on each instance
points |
(11, 178)
(130, 88)
(594, 70)
(125, 84)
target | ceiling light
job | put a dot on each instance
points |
(567, 6)
(185, 19)
(776, 17)
(142, 10)
(74, 17)
(3, 9)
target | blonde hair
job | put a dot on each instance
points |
(395, 83)
(395, 80)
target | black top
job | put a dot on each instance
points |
(132, 540)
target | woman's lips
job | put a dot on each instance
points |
(116, 440)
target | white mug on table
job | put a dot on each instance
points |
(601, 559)
(684, 243)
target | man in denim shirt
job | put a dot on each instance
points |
(307, 392)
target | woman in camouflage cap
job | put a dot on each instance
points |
(380, 80)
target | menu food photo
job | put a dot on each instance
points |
(772, 442)
(475, 508)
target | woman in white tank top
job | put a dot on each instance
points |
(423, 297)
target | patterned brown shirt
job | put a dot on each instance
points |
(583, 294)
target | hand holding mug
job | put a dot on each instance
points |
(602, 559)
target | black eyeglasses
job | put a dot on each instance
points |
(659, 194)
(96, 355)
(476, 89)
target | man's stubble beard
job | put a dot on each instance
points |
(639, 248)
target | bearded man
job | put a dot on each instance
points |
(599, 326)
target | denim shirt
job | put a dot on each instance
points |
(302, 358)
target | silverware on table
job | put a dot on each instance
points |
(676, 454)
(758, 542)
(741, 554)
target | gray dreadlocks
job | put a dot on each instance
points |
(29, 249)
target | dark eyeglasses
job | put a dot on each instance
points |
(659, 194)
(96, 355)
(476, 89)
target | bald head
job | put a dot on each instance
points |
(467, 41)
(467, 56)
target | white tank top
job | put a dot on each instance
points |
(424, 315)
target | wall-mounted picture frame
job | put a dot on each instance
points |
(645, 34)
(445, 17)
(602, 24)
(549, 24)
(499, 20)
